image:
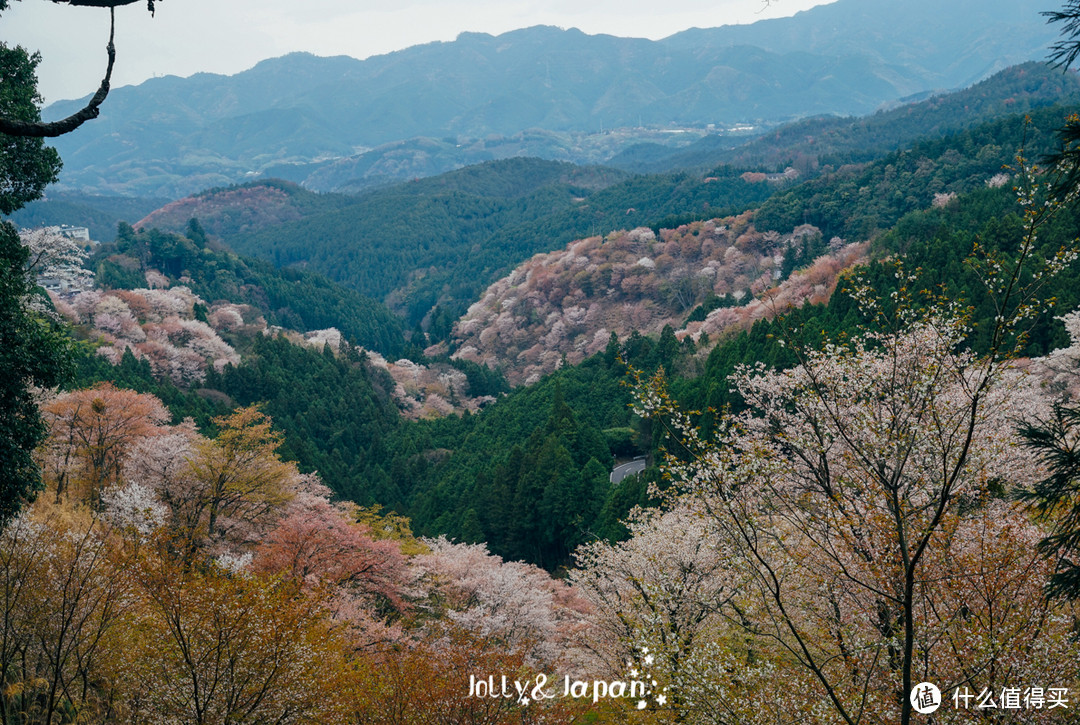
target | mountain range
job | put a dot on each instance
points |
(478, 97)
(428, 248)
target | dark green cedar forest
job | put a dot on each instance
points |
(293, 298)
(862, 200)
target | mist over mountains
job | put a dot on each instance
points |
(340, 122)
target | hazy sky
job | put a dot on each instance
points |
(227, 36)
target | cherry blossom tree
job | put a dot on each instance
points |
(860, 500)
(91, 433)
(63, 599)
(243, 477)
(218, 493)
(134, 509)
(55, 255)
(1055, 439)
(34, 355)
(315, 541)
(218, 647)
(517, 605)
(156, 325)
(665, 589)
(320, 545)
(1060, 369)
(429, 683)
(863, 496)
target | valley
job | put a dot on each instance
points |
(736, 370)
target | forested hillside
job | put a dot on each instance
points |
(562, 307)
(431, 246)
(99, 214)
(555, 440)
(407, 244)
(428, 248)
(860, 200)
(236, 210)
(278, 456)
(293, 298)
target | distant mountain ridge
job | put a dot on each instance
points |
(241, 209)
(1017, 89)
(428, 247)
(956, 43)
(171, 136)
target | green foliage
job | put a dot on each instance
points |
(33, 354)
(227, 211)
(933, 241)
(99, 214)
(859, 201)
(937, 241)
(812, 143)
(1057, 496)
(802, 253)
(534, 466)
(482, 380)
(335, 413)
(534, 472)
(27, 166)
(674, 221)
(529, 473)
(712, 302)
(202, 404)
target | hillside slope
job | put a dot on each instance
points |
(567, 305)
(241, 209)
(438, 242)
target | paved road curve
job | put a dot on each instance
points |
(627, 469)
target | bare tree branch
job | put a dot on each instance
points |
(105, 3)
(41, 129)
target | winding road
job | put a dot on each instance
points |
(627, 469)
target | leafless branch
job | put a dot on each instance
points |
(40, 129)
